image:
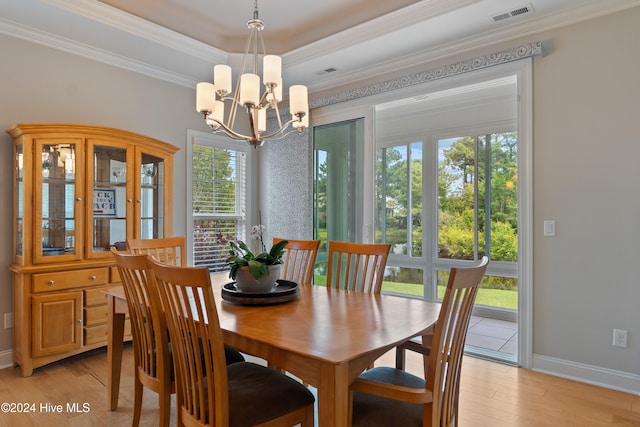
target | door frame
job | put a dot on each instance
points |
(365, 107)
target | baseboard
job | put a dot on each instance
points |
(603, 377)
(6, 359)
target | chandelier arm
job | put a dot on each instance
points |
(261, 40)
(255, 136)
(236, 94)
(278, 114)
(230, 132)
(263, 98)
(284, 135)
(280, 130)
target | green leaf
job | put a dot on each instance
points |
(277, 251)
(258, 269)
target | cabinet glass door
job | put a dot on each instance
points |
(18, 213)
(58, 200)
(110, 198)
(151, 197)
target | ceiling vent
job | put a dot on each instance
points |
(518, 11)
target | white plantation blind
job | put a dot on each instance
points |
(219, 200)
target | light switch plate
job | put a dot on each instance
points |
(549, 228)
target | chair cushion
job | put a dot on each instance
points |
(370, 410)
(258, 394)
(232, 355)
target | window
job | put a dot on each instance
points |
(446, 188)
(478, 211)
(218, 184)
(477, 197)
(399, 198)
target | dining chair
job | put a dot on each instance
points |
(208, 392)
(357, 266)
(385, 396)
(169, 250)
(299, 260)
(153, 368)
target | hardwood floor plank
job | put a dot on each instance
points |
(492, 395)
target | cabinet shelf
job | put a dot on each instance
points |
(65, 221)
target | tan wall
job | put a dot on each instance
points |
(39, 84)
(586, 110)
(586, 149)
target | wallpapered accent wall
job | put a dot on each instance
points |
(286, 187)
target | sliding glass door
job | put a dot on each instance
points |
(446, 194)
(443, 175)
(338, 180)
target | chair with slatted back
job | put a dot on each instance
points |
(169, 250)
(357, 266)
(299, 260)
(149, 333)
(208, 392)
(386, 396)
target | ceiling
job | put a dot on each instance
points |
(181, 40)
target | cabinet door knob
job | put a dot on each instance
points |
(79, 320)
(78, 199)
(92, 277)
(129, 200)
(51, 282)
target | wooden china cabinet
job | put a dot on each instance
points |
(77, 191)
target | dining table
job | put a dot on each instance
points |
(325, 337)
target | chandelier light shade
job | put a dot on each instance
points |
(252, 95)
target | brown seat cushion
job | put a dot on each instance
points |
(232, 355)
(370, 410)
(258, 394)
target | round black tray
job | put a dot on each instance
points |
(284, 291)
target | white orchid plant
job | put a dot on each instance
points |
(240, 255)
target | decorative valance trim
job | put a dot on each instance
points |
(477, 63)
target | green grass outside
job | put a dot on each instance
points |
(489, 297)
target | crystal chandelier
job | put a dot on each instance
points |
(211, 97)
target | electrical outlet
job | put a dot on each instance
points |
(8, 320)
(620, 338)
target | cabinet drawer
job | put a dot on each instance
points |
(96, 315)
(46, 282)
(114, 275)
(94, 334)
(98, 333)
(95, 296)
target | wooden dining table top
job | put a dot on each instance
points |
(325, 337)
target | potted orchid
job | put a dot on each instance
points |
(255, 272)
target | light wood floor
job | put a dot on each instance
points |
(492, 395)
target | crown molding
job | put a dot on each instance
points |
(376, 28)
(131, 24)
(472, 64)
(112, 17)
(90, 52)
(478, 42)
